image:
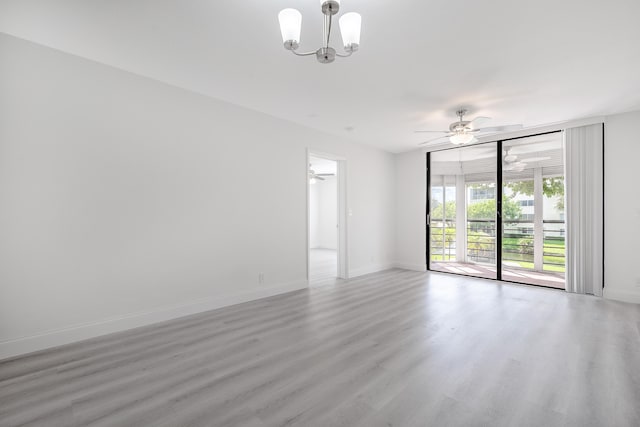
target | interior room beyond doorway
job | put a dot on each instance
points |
(323, 219)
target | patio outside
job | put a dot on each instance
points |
(518, 256)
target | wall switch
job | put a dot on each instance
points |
(261, 278)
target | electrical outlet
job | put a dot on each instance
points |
(261, 278)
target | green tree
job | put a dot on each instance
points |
(551, 187)
(450, 211)
(486, 209)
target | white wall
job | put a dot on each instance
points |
(622, 207)
(126, 201)
(323, 214)
(411, 201)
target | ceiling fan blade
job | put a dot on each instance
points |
(431, 131)
(478, 122)
(325, 174)
(435, 140)
(507, 128)
(535, 159)
(319, 177)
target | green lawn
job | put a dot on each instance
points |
(545, 267)
(554, 250)
(435, 257)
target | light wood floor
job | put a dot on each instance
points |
(396, 348)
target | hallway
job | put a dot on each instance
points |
(323, 264)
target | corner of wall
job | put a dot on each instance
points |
(372, 268)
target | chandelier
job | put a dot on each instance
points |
(291, 24)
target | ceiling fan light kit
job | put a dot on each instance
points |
(465, 131)
(350, 24)
(461, 138)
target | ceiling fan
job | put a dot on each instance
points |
(511, 162)
(465, 131)
(314, 177)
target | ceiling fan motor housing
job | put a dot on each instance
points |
(460, 126)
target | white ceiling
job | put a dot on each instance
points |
(532, 62)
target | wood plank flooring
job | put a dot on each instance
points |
(395, 348)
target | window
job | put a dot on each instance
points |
(482, 193)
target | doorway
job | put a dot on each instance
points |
(496, 210)
(326, 207)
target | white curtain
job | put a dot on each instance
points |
(584, 174)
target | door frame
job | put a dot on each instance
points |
(341, 181)
(499, 175)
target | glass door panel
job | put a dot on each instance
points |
(533, 210)
(462, 217)
(443, 218)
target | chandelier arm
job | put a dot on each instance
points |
(342, 55)
(304, 53)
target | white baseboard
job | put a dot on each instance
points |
(373, 268)
(24, 345)
(622, 295)
(412, 267)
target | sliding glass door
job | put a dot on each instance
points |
(533, 211)
(462, 211)
(496, 210)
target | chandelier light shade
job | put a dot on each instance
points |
(290, 26)
(461, 138)
(350, 24)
